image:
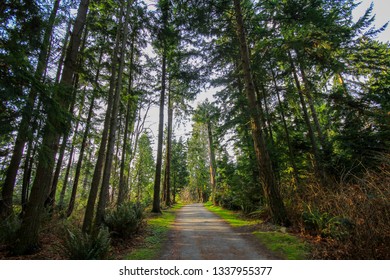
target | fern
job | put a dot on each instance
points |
(82, 246)
(124, 221)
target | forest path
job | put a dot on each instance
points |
(199, 234)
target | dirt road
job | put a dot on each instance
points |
(199, 234)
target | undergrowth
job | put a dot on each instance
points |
(157, 233)
(351, 220)
(78, 245)
(125, 220)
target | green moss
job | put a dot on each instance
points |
(233, 218)
(157, 228)
(289, 246)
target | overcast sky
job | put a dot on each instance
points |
(381, 11)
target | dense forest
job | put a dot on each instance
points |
(297, 132)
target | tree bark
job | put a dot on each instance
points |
(314, 146)
(28, 233)
(114, 119)
(24, 128)
(84, 142)
(89, 211)
(213, 165)
(167, 175)
(63, 52)
(268, 180)
(157, 180)
(129, 113)
(288, 139)
(308, 90)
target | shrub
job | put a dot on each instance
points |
(83, 246)
(351, 216)
(325, 225)
(124, 221)
(8, 229)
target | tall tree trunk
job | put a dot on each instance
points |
(314, 146)
(66, 177)
(129, 113)
(213, 165)
(70, 159)
(113, 125)
(285, 127)
(84, 141)
(56, 122)
(24, 127)
(308, 90)
(87, 171)
(268, 180)
(167, 175)
(89, 211)
(50, 201)
(157, 179)
(63, 52)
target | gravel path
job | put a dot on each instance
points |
(199, 234)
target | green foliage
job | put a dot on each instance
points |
(324, 224)
(179, 166)
(124, 221)
(83, 246)
(143, 172)
(198, 188)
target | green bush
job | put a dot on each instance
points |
(82, 246)
(324, 224)
(124, 221)
(8, 229)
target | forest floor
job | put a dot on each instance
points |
(189, 232)
(52, 239)
(199, 234)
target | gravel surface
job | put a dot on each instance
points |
(199, 234)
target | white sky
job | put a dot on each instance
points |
(381, 12)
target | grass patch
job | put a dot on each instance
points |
(233, 218)
(157, 228)
(289, 246)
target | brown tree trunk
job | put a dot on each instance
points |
(308, 90)
(63, 52)
(157, 180)
(114, 119)
(28, 233)
(167, 175)
(84, 142)
(268, 180)
(24, 128)
(288, 139)
(89, 211)
(129, 113)
(314, 147)
(50, 201)
(213, 165)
